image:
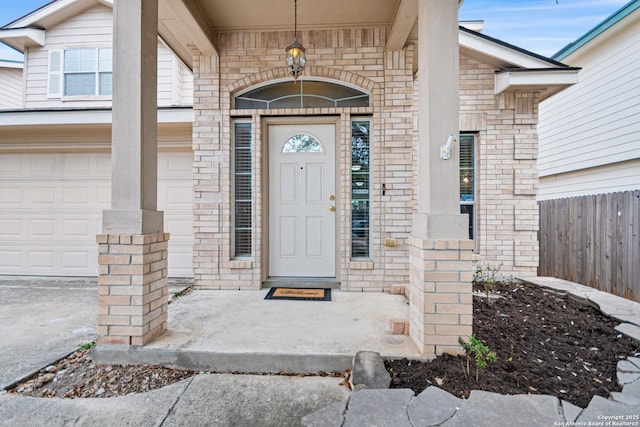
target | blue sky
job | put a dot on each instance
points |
(542, 26)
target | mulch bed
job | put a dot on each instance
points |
(77, 376)
(545, 343)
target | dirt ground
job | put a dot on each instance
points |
(545, 344)
(77, 376)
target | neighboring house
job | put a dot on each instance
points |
(11, 89)
(336, 179)
(55, 138)
(590, 133)
(589, 150)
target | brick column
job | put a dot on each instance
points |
(441, 300)
(132, 288)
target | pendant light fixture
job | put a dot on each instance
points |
(296, 53)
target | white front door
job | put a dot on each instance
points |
(302, 217)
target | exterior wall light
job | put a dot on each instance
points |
(445, 150)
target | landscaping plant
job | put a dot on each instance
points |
(486, 275)
(87, 346)
(479, 351)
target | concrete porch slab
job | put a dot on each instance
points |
(240, 331)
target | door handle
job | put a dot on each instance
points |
(332, 208)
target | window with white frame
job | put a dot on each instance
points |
(360, 186)
(467, 179)
(242, 190)
(80, 72)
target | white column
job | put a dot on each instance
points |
(438, 215)
(134, 136)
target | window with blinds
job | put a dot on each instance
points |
(80, 72)
(360, 185)
(242, 190)
(467, 179)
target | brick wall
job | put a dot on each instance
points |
(353, 56)
(507, 181)
(132, 288)
(505, 124)
(441, 308)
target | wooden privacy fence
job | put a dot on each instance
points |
(593, 240)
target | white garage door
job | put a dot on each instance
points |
(51, 210)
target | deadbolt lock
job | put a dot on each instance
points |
(332, 197)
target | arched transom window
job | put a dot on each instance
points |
(302, 143)
(304, 94)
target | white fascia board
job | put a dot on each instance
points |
(176, 115)
(192, 21)
(45, 12)
(558, 79)
(20, 38)
(11, 64)
(476, 26)
(500, 52)
(55, 12)
(62, 117)
(41, 13)
(82, 117)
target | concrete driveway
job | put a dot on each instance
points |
(42, 320)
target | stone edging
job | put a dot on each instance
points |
(373, 403)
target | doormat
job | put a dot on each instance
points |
(299, 294)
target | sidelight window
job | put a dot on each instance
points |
(242, 190)
(360, 189)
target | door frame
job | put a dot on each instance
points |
(298, 120)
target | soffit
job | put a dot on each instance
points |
(224, 15)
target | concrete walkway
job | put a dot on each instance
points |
(240, 331)
(248, 400)
(41, 321)
(204, 400)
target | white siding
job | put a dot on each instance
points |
(168, 85)
(187, 86)
(175, 81)
(94, 28)
(604, 179)
(10, 88)
(597, 121)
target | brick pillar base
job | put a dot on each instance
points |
(132, 288)
(441, 300)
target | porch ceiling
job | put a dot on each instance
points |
(185, 23)
(225, 15)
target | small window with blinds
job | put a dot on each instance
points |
(360, 194)
(242, 191)
(467, 179)
(82, 72)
